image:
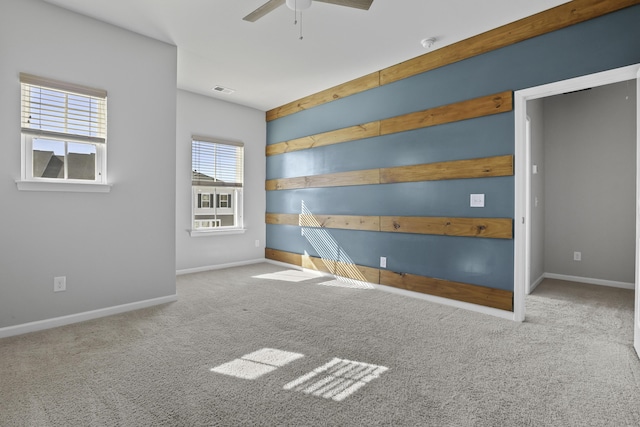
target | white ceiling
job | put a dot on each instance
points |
(266, 63)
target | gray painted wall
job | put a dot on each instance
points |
(201, 115)
(114, 248)
(590, 174)
(535, 113)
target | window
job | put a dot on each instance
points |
(64, 132)
(204, 200)
(223, 200)
(216, 183)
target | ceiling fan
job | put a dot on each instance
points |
(298, 5)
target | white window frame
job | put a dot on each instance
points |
(236, 195)
(97, 139)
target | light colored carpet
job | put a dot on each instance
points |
(328, 356)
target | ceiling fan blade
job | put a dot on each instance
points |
(263, 10)
(358, 4)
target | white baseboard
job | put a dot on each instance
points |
(536, 283)
(219, 266)
(601, 282)
(504, 314)
(81, 317)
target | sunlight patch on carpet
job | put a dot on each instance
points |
(244, 369)
(289, 276)
(337, 379)
(256, 364)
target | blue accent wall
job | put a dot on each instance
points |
(601, 44)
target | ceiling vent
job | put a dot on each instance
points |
(223, 89)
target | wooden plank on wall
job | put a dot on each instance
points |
(348, 222)
(337, 268)
(341, 91)
(286, 183)
(352, 133)
(457, 169)
(559, 17)
(282, 256)
(340, 179)
(358, 272)
(497, 228)
(475, 294)
(565, 15)
(282, 219)
(318, 264)
(478, 107)
(468, 109)
(489, 297)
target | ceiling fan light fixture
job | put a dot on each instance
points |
(298, 5)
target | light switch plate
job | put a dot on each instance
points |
(477, 201)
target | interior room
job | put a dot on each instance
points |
(274, 213)
(578, 140)
(575, 138)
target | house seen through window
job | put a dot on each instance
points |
(216, 182)
(64, 129)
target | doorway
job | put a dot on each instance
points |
(524, 168)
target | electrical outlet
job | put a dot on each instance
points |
(60, 284)
(257, 243)
(577, 256)
(383, 262)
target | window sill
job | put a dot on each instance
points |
(201, 233)
(62, 186)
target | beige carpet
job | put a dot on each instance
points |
(238, 350)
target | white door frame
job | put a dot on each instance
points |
(522, 175)
(636, 314)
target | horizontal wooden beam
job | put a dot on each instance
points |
(282, 256)
(464, 110)
(352, 133)
(565, 15)
(337, 92)
(340, 179)
(455, 169)
(469, 109)
(337, 268)
(342, 269)
(475, 294)
(347, 222)
(481, 295)
(496, 228)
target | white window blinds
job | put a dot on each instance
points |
(216, 163)
(62, 110)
